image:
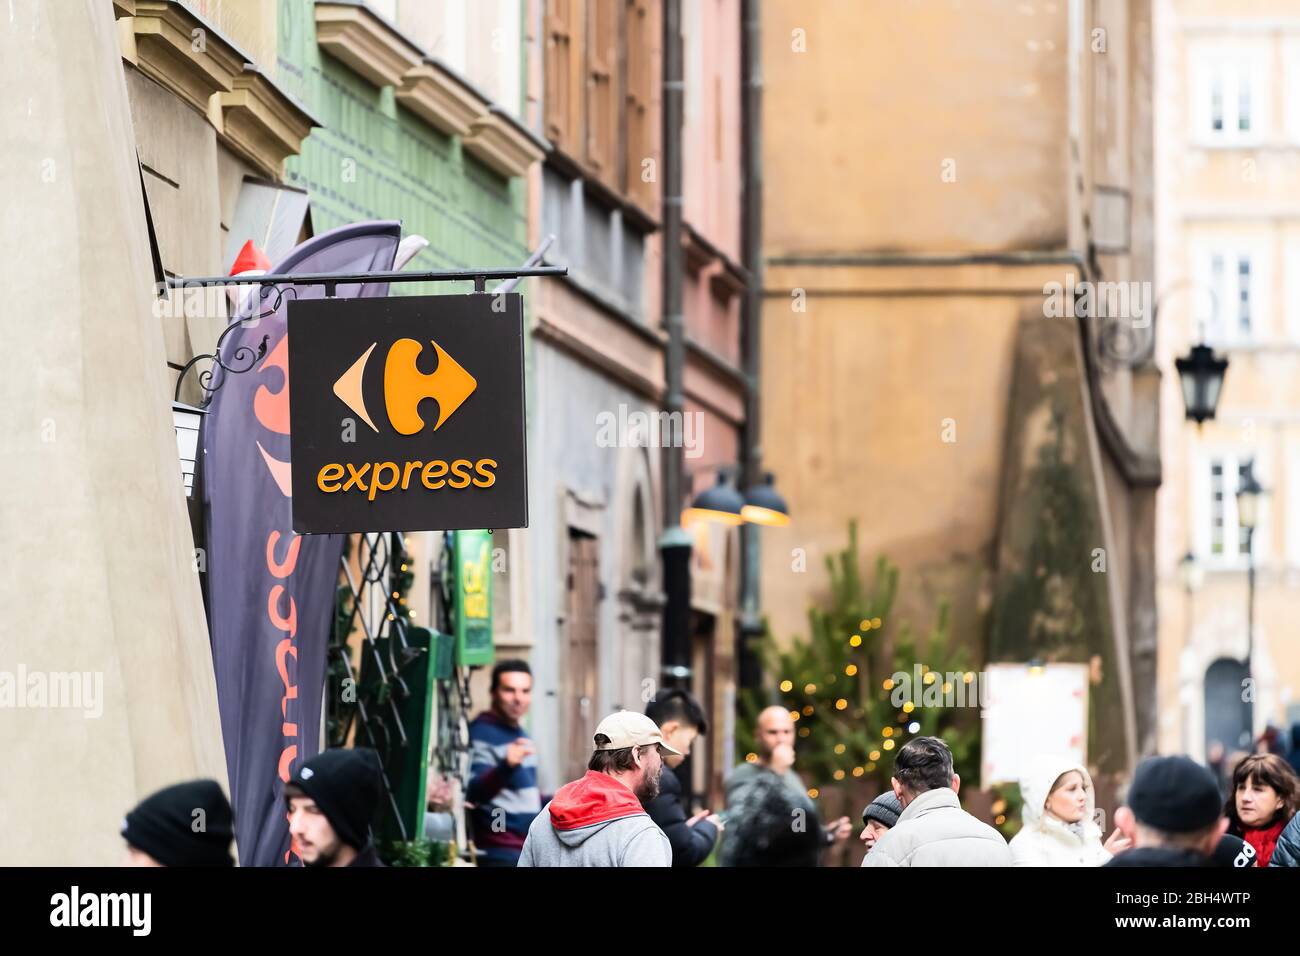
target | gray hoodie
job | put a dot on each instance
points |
(595, 821)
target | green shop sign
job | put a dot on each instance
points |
(472, 600)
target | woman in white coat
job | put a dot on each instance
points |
(1058, 825)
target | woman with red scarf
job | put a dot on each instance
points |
(1265, 793)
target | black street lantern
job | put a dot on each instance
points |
(1201, 375)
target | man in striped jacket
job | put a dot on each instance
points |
(503, 768)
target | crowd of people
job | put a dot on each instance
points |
(628, 809)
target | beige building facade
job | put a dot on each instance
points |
(937, 180)
(1228, 165)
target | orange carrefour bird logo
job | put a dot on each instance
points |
(405, 386)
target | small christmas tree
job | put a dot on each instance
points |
(850, 692)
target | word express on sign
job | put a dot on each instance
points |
(407, 413)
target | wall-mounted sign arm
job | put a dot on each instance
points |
(332, 279)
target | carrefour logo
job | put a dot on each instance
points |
(405, 386)
(407, 413)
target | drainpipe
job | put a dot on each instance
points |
(750, 626)
(675, 545)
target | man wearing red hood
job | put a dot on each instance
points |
(599, 820)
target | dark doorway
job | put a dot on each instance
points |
(1228, 718)
(581, 661)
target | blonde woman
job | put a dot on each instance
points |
(1058, 819)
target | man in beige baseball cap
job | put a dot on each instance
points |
(599, 820)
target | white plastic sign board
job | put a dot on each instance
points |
(1032, 711)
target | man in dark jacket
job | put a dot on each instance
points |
(680, 720)
(1287, 851)
(1172, 815)
(332, 800)
(771, 819)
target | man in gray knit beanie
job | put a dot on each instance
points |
(879, 816)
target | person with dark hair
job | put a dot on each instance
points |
(933, 829)
(188, 824)
(1264, 797)
(332, 801)
(599, 820)
(1172, 815)
(502, 787)
(680, 720)
(771, 819)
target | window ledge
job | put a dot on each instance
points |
(441, 98)
(365, 41)
(633, 214)
(1222, 145)
(262, 123)
(159, 40)
(502, 144)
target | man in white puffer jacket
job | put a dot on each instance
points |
(1059, 830)
(933, 829)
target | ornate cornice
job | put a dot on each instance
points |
(441, 98)
(365, 41)
(262, 123)
(502, 144)
(172, 45)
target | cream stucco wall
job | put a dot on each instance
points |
(100, 574)
(1238, 196)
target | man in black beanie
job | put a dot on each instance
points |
(189, 824)
(1173, 815)
(332, 801)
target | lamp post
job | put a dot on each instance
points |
(1248, 495)
(721, 504)
(1192, 574)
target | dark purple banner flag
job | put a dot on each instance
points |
(271, 592)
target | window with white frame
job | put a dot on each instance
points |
(1291, 69)
(1291, 308)
(1224, 538)
(1233, 272)
(1230, 98)
(1292, 511)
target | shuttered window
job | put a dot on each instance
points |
(599, 100)
(602, 154)
(563, 66)
(639, 29)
